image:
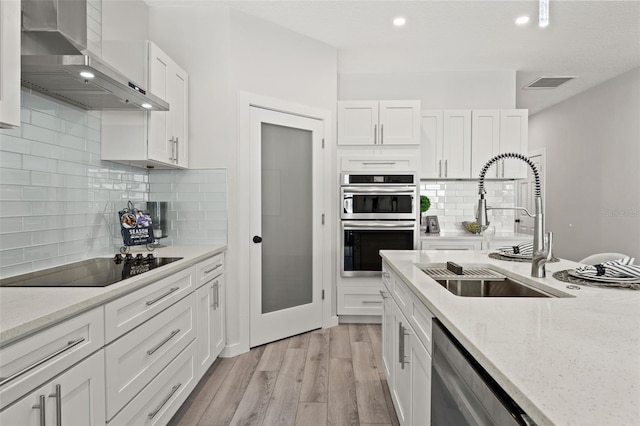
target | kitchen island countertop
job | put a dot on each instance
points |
(566, 361)
(25, 310)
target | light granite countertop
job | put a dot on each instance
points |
(26, 310)
(566, 361)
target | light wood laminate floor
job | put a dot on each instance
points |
(324, 377)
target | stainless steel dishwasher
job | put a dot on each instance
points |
(462, 392)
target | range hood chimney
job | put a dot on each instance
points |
(55, 61)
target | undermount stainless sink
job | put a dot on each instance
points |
(481, 281)
(490, 288)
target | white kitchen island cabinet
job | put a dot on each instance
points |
(495, 132)
(152, 139)
(445, 146)
(379, 122)
(406, 351)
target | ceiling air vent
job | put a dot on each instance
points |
(547, 82)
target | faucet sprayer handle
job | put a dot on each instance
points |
(549, 245)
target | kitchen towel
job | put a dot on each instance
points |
(620, 268)
(524, 249)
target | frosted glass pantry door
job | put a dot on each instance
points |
(286, 295)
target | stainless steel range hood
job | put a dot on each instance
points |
(55, 61)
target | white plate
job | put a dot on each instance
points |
(514, 256)
(603, 279)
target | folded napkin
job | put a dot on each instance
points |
(524, 249)
(620, 268)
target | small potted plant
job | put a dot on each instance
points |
(425, 203)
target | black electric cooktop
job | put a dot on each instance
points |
(97, 272)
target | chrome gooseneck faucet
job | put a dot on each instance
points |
(541, 254)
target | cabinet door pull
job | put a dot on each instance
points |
(375, 134)
(378, 163)
(383, 294)
(381, 134)
(371, 301)
(446, 168)
(400, 345)
(177, 142)
(164, 341)
(172, 158)
(40, 406)
(174, 389)
(41, 361)
(217, 294)
(162, 296)
(502, 168)
(439, 168)
(58, 396)
(208, 271)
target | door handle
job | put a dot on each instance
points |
(257, 239)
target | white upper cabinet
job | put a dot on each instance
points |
(154, 139)
(379, 122)
(445, 144)
(9, 64)
(495, 132)
(168, 130)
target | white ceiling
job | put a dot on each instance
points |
(594, 40)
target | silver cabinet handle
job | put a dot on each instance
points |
(164, 401)
(162, 296)
(215, 297)
(164, 341)
(373, 302)
(381, 134)
(446, 168)
(377, 163)
(375, 134)
(386, 275)
(439, 168)
(402, 357)
(497, 169)
(208, 271)
(177, 149)
(40, 406)
(502, 168)
(70, 344)
(173, 145)
(383, 294)
(58, 396)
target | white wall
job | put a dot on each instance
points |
(592, 143)
(436, 90)
(226, 53)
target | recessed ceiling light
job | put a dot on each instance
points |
(399, 21)
(522, 20)
(86, 74)
(147, 106)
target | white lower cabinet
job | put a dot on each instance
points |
(359, 300)
(406, 354)
(76, 397)
(159, 401)
(137, 357)
(210, 322)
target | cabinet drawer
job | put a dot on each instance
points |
(209, 269)
(451, 245)
(359, 300)
(401, 294)
(160, 400)
(127, 312)
(420, 318)
(34, 360)
(386, 163)
(135, 359)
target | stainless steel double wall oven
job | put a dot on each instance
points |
(379, 212)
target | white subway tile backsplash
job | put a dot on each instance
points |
(59, 200)
(455, 201)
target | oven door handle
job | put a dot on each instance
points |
(379, 224)
(373, 190)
